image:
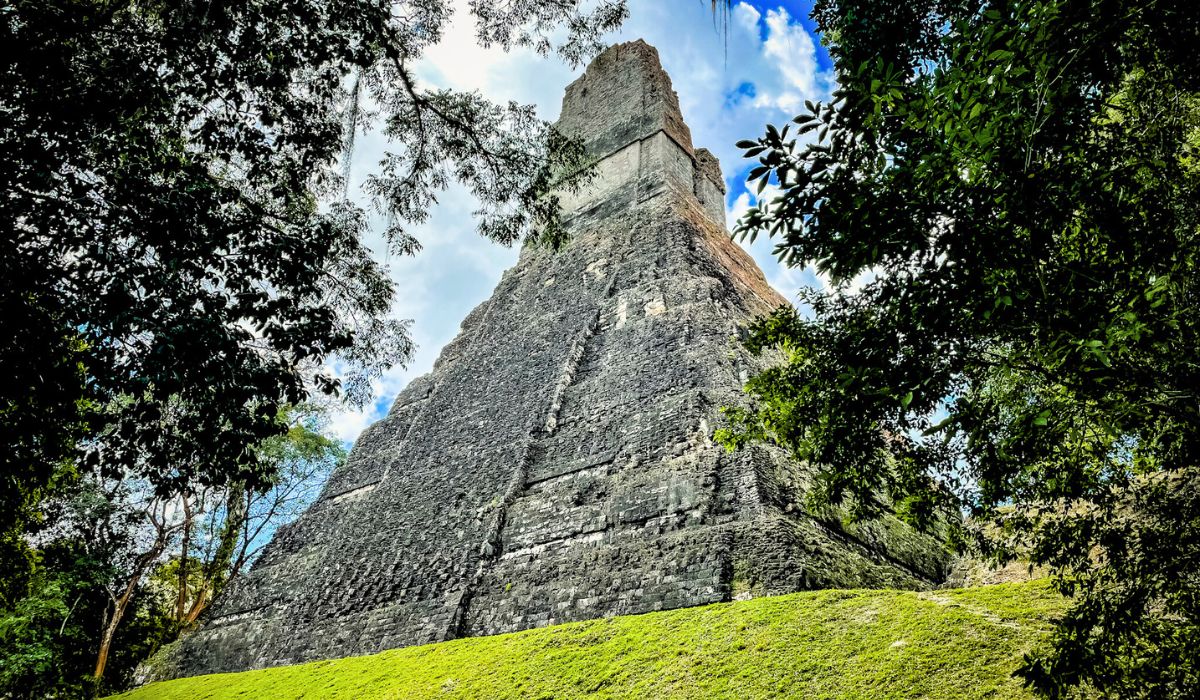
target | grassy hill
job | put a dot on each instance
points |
(956, 644)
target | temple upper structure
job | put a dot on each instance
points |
(624, 111)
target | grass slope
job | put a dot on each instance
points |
(823, 644)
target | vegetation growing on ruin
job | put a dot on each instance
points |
(958, 644)
(1003, 195)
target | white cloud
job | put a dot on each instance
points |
(346, 425)
(785, 280)
(459, 63)
(790, 47)
(731, 81)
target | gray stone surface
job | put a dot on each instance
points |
(557, 463)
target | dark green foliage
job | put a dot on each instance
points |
(92, 537)
(1018, 183)
(48, 637)
(180, 259)
(181, 262)
(41, 418)
(32, 645)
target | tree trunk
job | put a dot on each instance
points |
(199, 605)
(120, 605)
(181, 600)
(223, 566)
(105, 643)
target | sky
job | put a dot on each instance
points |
(758, 66)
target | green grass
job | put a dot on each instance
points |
(956, 644)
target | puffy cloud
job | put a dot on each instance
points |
(733, 75)
(791, 48)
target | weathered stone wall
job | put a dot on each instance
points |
(557, 463)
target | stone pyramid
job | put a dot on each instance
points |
(557, 463)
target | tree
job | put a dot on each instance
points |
(236, 522)
(30, 635)
(117, 577)
(217, 531)
(180, 258)
(160, 523)
(51, 634)
(1017, 182)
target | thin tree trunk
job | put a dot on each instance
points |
(223, 566)
(181, 600)
(199, 605)
(120, 605)
(227, 562)
(105, 644)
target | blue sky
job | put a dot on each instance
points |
(731, 83)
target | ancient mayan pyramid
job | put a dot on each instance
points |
(557, 463)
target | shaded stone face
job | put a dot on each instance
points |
(557, 463)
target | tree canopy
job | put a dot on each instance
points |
(180, 257)
(121, 570)
(1015, 184)
(183, 261)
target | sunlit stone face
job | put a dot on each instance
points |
(557, 463)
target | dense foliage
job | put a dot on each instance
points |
(180, 260)
(111, 553)
(1015, 186)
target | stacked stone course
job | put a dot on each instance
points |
(557, 463)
